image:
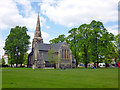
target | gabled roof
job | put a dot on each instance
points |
(46, 47)
(56, 46)
(43, 46)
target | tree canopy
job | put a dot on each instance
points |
(91, 43)
(60, 38)
(17, 44)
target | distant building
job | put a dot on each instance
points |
(5, 57)
(38, 54)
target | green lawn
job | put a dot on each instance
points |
(69, 78)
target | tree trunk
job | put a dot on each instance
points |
(86, 56)
(94, 64)
(16, 65)
(106, 65)
(97, 61)
(86, 65)
(11, 64)
(21, 65)
(76, 64)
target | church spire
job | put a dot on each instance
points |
(38, 31)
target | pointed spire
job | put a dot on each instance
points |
(38, 31)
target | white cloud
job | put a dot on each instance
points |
(47, 27)
(10, 16)
(113, 29)
(74, 12)
(27, 8)
(45, 37)
(2, 44)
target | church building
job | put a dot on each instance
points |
(39, 52)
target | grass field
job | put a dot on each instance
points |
(69, 78)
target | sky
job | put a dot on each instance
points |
(56, 16)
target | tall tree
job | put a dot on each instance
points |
(102, 43)
(72, 42)
(17, 44)
(84, 41)
(91, 41)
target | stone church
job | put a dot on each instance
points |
(38, 54)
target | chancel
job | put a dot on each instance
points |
(39, 52)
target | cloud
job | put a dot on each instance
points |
(46, 37)
(47, 27)
(12, 15)
(113, 29)
(27, 8)
(75, 12)
(2, 44)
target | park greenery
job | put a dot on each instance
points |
(16, 45)
(57, 78)
(91, 43)
(3, 61)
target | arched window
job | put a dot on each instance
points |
(62, 53)
(65, 54)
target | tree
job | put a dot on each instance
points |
(60, 38)
(3, 61)
(84, 42)
(72, 42)
(117, 44)
(91, 42)
(0, 61)
(25, 58)
(17, 44)
(98, 41)
(52, 57)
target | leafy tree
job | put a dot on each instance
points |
(92, 42)
(17, 44)
(25, 58)
(84, 41)
(60, 38)
(117, 44)
(0, 61)
(101, 40)
(3, 61)
(72, 42)
(52, 57)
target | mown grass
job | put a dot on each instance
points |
(69, 78)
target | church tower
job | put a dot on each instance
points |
(37, 36)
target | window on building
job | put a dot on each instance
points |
(65, 54)
(62, 53)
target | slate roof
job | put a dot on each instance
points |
(57, 46)
(46, 47)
